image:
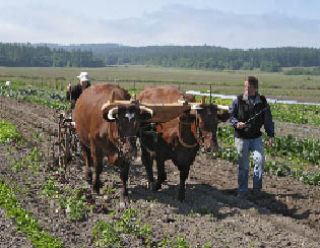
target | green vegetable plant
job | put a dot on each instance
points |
(25, 221)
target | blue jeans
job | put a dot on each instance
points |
(244, 147)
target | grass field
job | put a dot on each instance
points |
(302, 87)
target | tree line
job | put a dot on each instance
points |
(199, 57)
(206, 57)
(26, 55)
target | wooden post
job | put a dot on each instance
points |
(203, 99)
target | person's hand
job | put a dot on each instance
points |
(241, 125)
(269, 142)
(69, 87)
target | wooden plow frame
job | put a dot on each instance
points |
(67, 140)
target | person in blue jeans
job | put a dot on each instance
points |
(249, 112)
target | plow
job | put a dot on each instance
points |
(67, 142)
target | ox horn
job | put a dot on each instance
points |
(112, 112)
(223, 107)
(145, 109)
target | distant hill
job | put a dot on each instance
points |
(202, 57)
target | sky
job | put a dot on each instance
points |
(227, 23)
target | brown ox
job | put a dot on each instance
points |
(111, 133)
(178, 139)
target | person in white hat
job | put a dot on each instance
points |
(75, 91)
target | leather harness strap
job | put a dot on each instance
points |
(184, 144)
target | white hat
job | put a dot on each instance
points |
(83, 76)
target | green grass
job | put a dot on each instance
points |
(228, 82)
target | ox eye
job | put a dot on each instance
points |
(129, 116)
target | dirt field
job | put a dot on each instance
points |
(286, 214)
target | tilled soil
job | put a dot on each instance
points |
(286, 214)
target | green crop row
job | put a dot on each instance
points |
(55, 98)
(293, 113)
(288, 147)
(288, 155)
(8, 132)
(296, 113)
(107, 234)
(50, 99)
(25, 221)
(72, 201)
(294, 149)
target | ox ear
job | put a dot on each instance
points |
(189, 98)
(145, 113)
(187, 117)
(223, 113)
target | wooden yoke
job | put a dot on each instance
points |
(166, 112)
(161, 112)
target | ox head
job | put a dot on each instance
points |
(208, 116)
(127, 118)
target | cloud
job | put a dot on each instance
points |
(173, 24)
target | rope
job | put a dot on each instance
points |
(111, 137)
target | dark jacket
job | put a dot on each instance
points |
(74, 93)
(244, 108)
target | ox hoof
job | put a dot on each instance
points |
(157, 186)
(96, 187)
(154, 186)
(181, 196)
(150, 185)
(89, 177)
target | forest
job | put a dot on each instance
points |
(199, 57)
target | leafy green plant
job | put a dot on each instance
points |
(126, 222)
(75, 203)
(47, 98)
(50, 189)
(105, 235)
(286, 154)
(25, 221)
(8, 132)
(29, 161)
(76, 208)
(109, 191)
(193, 214)
(293, 113)
(307, 178)
(207, 245)
(180, 243)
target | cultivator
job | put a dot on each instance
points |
(67, 139)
